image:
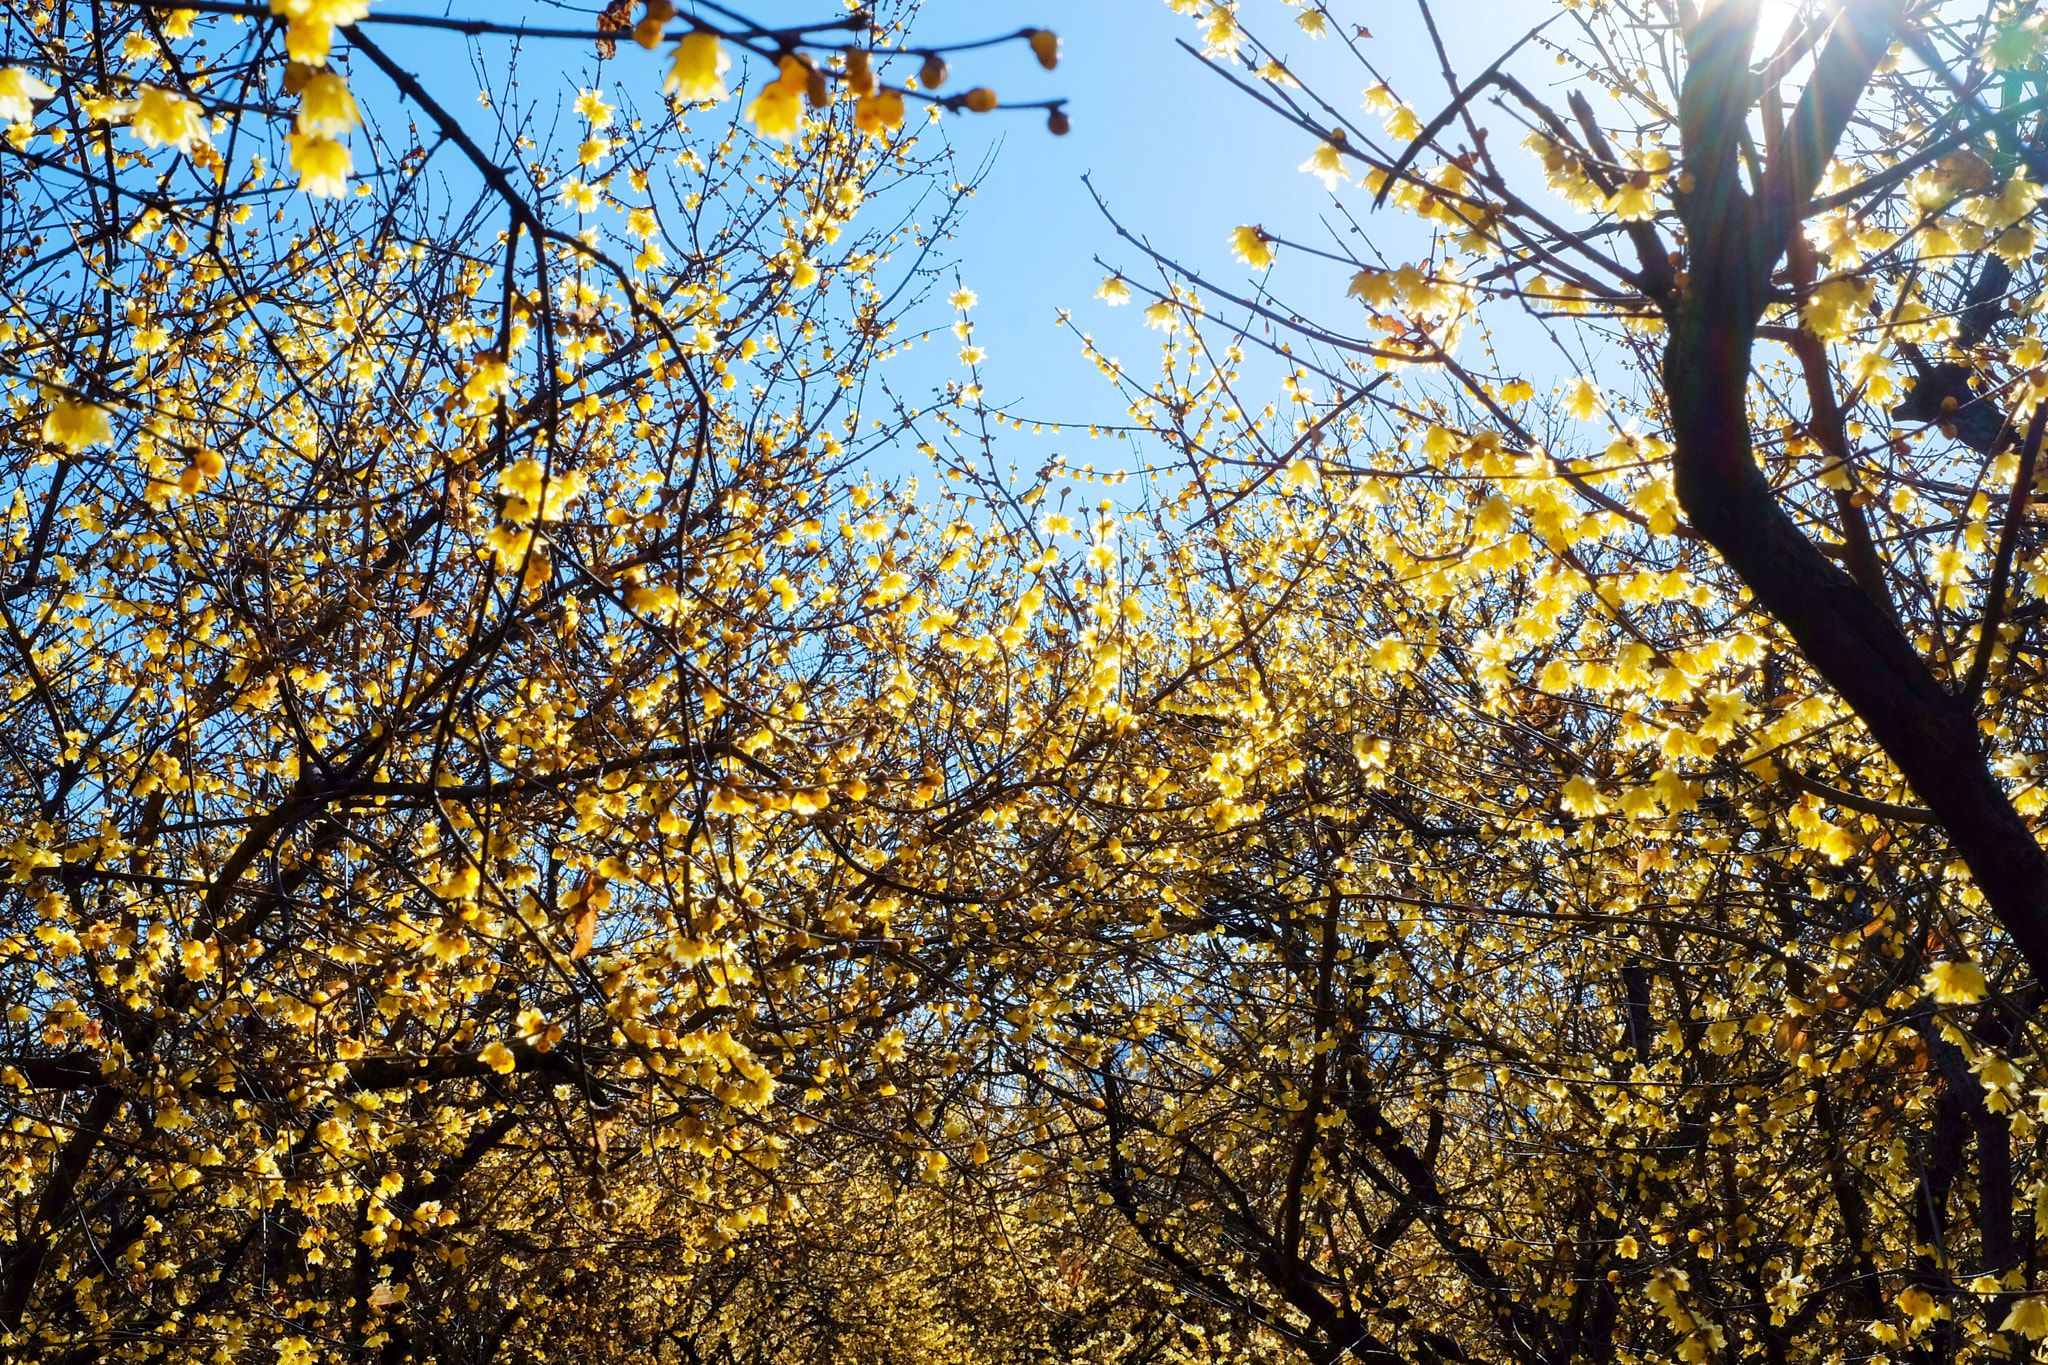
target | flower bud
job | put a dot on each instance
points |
(647, 33)
(860, 73)
(1057, 123)
(932, 74)
(1045, 45)
(817, 90)
(981, 99)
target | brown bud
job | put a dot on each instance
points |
(860, 74)
(1057, 123)
(817, 90)
(1045, 45)
(296, 74)
(661, 11)
(647, 33)
(933, 73)
(981, 99)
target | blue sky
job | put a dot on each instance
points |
(1179, 155)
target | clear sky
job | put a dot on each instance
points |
(1179, 155)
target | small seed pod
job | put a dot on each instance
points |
(981, 99)
(933, 73)
(1057, 123)
(1045, 45)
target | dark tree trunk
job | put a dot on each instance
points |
(1734, 238)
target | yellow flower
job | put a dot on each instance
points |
(162, 119)
(1633, 202)
(1327, 164)
(2011, 46)
(76, 425)
(591, 105)
(206, 466)
(446, 946)
(498, 1057)
(579, 196)
(322, 11)
(1954, 983)
(19, 94)
(462, 885)
(698, 69)
(876, 113)
(1582, 797)
(1725, 711)
(1402, 125)
(1582, 400)
(1252, 246)
(322, 164)
(1917, 1304)
(313, 22)
(490, 378)
(778, 111)
(2028, 1317)
(308, 41)
(1113, 291)
(1376, 287)
(326, 107)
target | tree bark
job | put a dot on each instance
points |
(1734, 238)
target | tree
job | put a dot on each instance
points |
(454, 661)
(1627, 941)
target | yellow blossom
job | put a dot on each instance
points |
(75, 424)
(322, 11)
(1326, 163)
(19, 94)
(311, 34)
(1955, 983)
(162, 119)
(308, 41)
(326, 107)
(322, 163)
(697, 70)
(1582, 797)
(876, 113)
(778, 111)
(1252, 246)
(2029, 1317)
(590, 104)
